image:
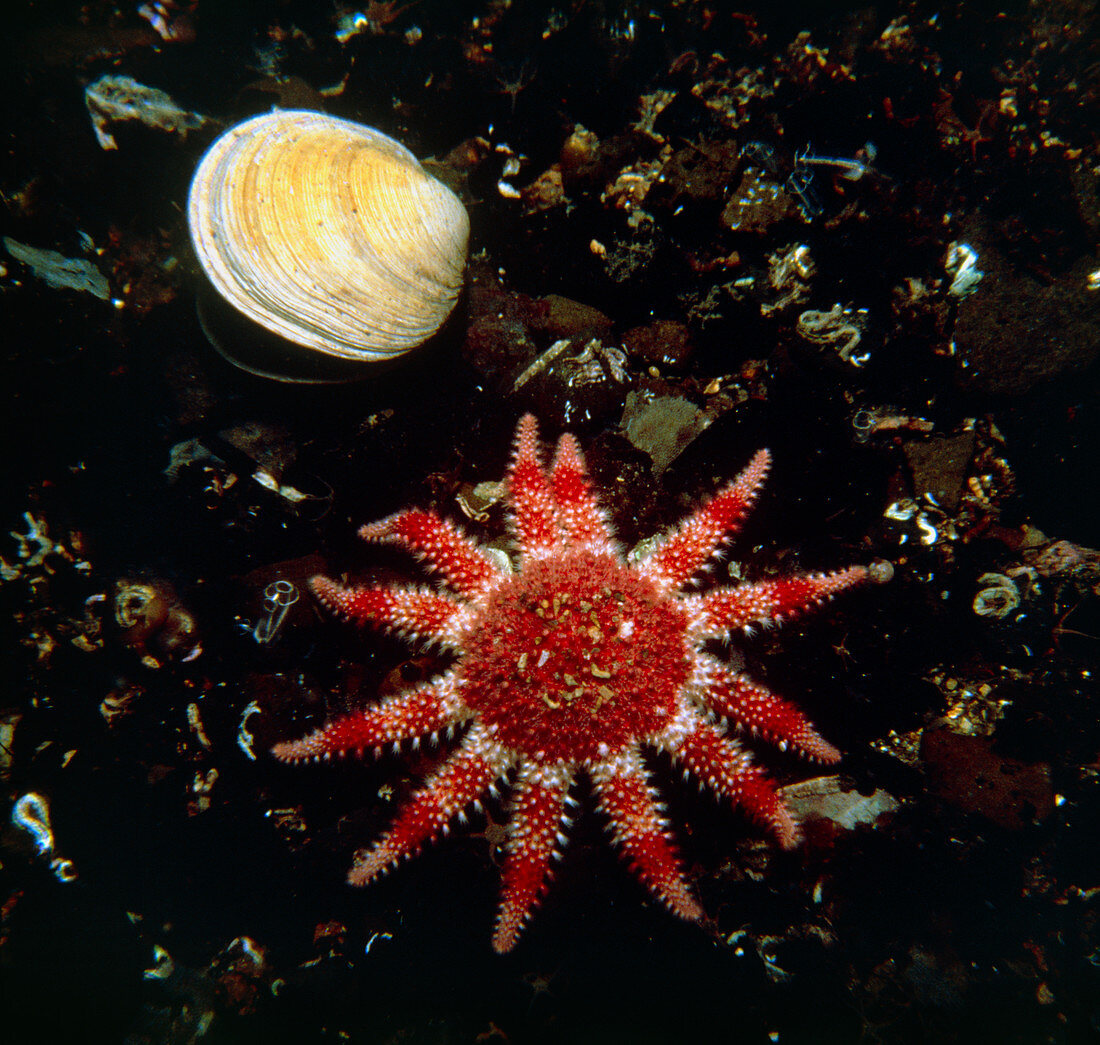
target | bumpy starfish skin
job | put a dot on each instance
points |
(576, 662)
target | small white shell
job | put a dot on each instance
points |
(329, 234)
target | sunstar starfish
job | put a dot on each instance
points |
(576, 661)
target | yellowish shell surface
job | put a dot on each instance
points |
(328, 233)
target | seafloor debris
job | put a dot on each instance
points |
(59, 271)
(961, 265)
(39, 555)
(242, 975)
(145, 616)
(190, 452)
(171, 20)
(546, 191)
(870, 421)
(558, 317)
(9, 721)
(997, 597)
(630, 188)
(571, 381)
(825, 798)
(840, 328)
(121, 700)
(1056, 558)
(115, 99)
(694, 176)
(31, 813)
(758, 203)
(960, 486)
(279, 596)
(790, 271)
(202, 790)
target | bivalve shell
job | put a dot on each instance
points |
(329, 234)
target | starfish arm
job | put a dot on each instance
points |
(630, 805)
(421, 711)
(534, 834)
(578, 507)
(676, 560)
(409, 612)
(720, 611)
(754, 709)
(464, 776)
(442, 545)
(533, 511)
(719, 762)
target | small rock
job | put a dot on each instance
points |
(579, 149)
(967, 772)
(496, 345)
(271, 446)
(664, 342)
(663, 427)
(562, 317)
(939, 467)
(1016, 331)
(757, 204)
(696, 174)
(545, 192)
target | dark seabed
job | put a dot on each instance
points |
(862, 236)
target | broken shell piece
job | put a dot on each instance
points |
(825, 798)
(114, 99)
(961, 264)
(998, 597)
(31, 813)
(59, 271)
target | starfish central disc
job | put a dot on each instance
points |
(584, 657)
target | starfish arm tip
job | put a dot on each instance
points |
(285, 751)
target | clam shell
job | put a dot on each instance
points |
(328, 233)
